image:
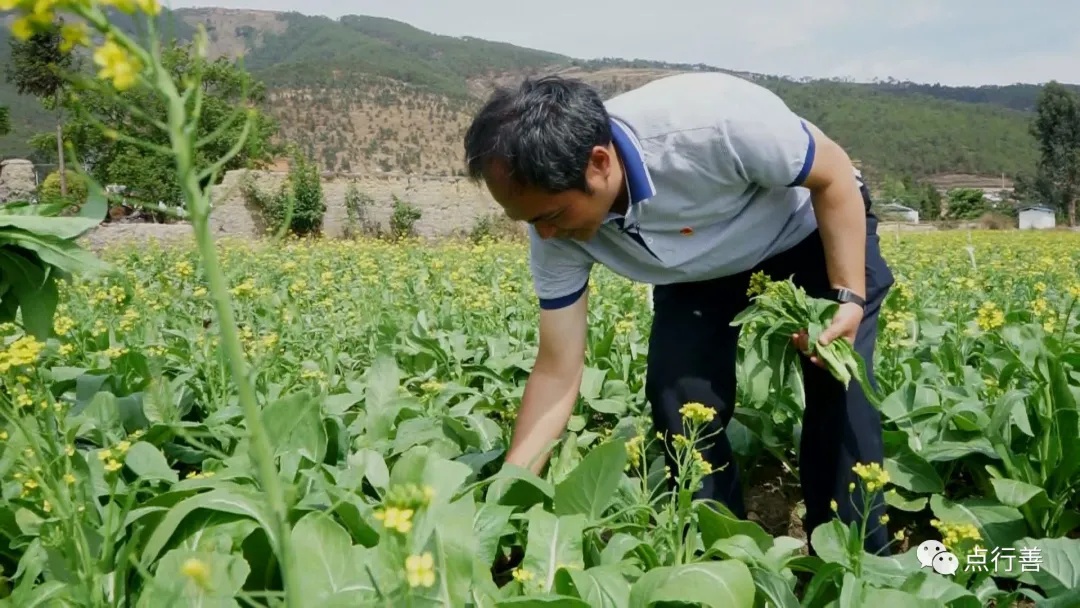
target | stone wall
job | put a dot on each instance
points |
(17, 180)
(449, 205)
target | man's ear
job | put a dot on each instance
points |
(601, 159)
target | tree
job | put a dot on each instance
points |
(966, 203)
(150, 176)
(37, 68)
(5, 121)
(1056, 128)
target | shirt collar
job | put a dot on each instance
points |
(639, 183)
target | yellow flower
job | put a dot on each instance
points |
(150, 7)
(420, 570)
(62, 325)
(957, 537)
(758, 282)
(522, 575)
(126, 6)
(22, 28)
(117, 65)
(697, 412)
(73, 35)
(23, 351)
(396, 519)
(990, 317)
(680, 442)
(873, 476)
(633, 452)
(702, 465)
(197, 570)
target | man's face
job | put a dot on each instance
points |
(572, 214)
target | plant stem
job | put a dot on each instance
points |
(261, 450)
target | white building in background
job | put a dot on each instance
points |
(1036, 218)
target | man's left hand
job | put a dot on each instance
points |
(845, 324)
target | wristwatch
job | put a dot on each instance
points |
(846, 295)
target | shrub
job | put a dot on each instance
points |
(357, 208)
(49, 190)
(309, 207)
(404, 218)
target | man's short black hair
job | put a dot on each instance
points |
(543, 132)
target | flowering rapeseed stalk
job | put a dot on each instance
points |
(123, 63)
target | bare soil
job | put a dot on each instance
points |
(774, 501)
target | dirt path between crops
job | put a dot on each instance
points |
(134, 234)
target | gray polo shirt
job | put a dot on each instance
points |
(713, 165)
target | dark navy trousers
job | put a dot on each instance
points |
(692, 351)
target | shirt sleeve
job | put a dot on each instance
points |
(559, 269)
(764, 142)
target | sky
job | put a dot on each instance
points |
(953, 42)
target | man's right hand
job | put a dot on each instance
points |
(553, 385)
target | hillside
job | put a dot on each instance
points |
(365, 94)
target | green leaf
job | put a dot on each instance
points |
(718, 584)
(774, 588)
(455, 548)
(1052, 563)
(553, 542)
(999, 525)
(325, 552)
(859, 593)
(912, 472)
(65, 255)
(718, 523)
(1016, 494)
(65, 228)
(543, 601)
(929, 585)
(600, 586)
(517, 486)
(294, 425)
(149, 463)
(236, 500)
(489, 525)
(32, 290)
(225, 576)
(426, 468)
(96, 206)
(590, 487)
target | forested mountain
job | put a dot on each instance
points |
(1014, 96)
(364, 94)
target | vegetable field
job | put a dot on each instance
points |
(387, 377)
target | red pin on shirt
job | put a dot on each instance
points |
(687, 231)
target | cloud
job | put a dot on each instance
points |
(947, 41)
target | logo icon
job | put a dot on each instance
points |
(932, 554)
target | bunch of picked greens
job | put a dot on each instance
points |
(779, 309)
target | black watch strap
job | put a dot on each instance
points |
(846, 295)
